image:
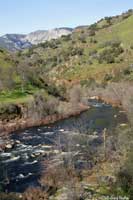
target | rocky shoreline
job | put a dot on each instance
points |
(113, 102)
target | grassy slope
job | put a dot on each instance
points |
(121, 31)
(74, 68)
(14, 97)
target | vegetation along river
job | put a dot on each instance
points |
(71, 139)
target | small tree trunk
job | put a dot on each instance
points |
(104, 141)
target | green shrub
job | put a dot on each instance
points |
(112, 50)
(106, 56)
(108, 20)
(108, 77)
(66, 38)
(93, 27)
(131, 47)
(111, 43)
(127, 71)
(82, 39)
(53, 44)
(29, 52)
(77, 51)
(92, 33)
(93, 40)
(1, 50)
(90, 62)
(44, 45)
(127, 14)
(92, 52)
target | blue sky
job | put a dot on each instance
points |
(24, 16)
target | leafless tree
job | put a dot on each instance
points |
(74, 94)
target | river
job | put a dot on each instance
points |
(21, 164)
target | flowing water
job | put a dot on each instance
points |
(22, 163)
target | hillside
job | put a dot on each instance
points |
(101, 53)
(86, 53)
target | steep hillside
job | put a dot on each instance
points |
(102, 51)
(91, 55)
(122, 31)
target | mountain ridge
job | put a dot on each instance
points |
(13, 42)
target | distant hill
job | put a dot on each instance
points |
(18, 41)
(14, 42)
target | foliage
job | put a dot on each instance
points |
(110, 52)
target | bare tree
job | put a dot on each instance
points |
(23, 71)
(74, 94)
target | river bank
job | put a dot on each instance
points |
(22, 123)
(6, 128)
(65, 110)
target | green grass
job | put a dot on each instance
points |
(17, 96)
(16, 100)
(122, 31)
(78, 68)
